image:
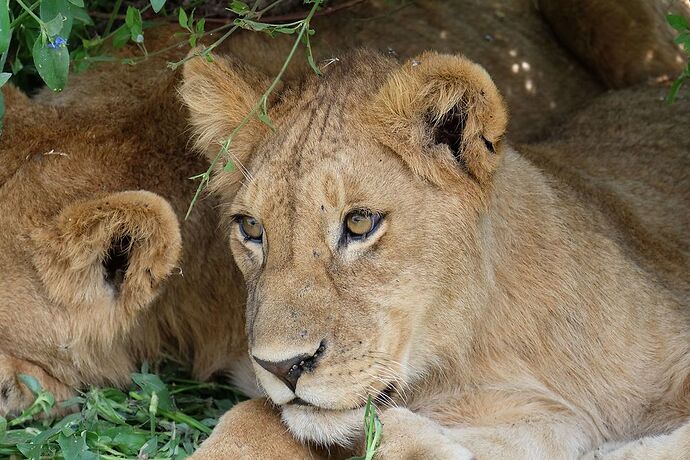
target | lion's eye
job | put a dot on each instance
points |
(360, 224)
(251, 229)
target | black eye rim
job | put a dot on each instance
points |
(246, 237)
(376, 217)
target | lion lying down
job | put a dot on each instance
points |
(94, 276)
(394, 245)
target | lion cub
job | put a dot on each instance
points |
(395, 246)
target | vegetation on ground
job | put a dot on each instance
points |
(680, 24)
(163, 415)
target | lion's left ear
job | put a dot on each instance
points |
(442, 114)
(219, 95)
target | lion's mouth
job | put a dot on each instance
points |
(332, 426)
(383, 398)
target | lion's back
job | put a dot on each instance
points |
(629, 155)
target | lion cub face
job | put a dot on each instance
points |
(348, 221)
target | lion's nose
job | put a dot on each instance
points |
(290, 370)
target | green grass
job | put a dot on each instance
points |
(161, 416)
(373, 428)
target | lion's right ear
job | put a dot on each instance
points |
(443, 115)
(219, 95)
(108, 256)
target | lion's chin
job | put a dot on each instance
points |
(324, 427)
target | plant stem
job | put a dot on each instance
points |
(23, 14)
(203, 386)
(206, 177)
(111, 19)
(31, 13)
(179, 417)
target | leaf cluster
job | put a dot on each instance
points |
(157, 418)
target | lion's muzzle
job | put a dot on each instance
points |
(289, 370)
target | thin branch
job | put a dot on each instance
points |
(297, 16)
(261, 103)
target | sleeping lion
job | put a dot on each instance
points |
(394, 245)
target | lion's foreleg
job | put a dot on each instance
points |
(408, 435)
(672, 446)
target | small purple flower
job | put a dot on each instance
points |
(57, 43)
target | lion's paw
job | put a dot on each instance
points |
(253, 430)
(14, 395)
(407, 435)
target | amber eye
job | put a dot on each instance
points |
(251, 229)
(360, 224)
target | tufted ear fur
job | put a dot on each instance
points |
(443, 115)
(108, 256)
(219, 95)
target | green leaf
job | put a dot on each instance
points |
(30, 450)
(3, 421)
(683, 39)
(677, 22)
(263, 116)
(150, 448)
(285, 30)
(120, 37)
(130, 439)
(157, 5)
(372, 431)
(50, 11)
(182, 18)
(81, 15)
(79, 3)
(151, 383)
(239, 8)
(107, 409)
(4, 76)
(46, 435)
(80, 60)
(310, 57)
(5, 32)
(30, 381)
(15, 437)
(93, 43)
(16, 66)
(75, 447)
(673, 92)
(229, 166)
(54, 26)
(135, 25)
(52, 64)
(252, 25)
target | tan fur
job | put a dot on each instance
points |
(74, 180)
(512, 313)
(544, 56)
(624, 43)
(118, 131)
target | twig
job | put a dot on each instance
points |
(205, 177)
(298, 16)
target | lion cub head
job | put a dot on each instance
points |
(352, 221)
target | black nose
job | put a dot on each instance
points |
(290, 370)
